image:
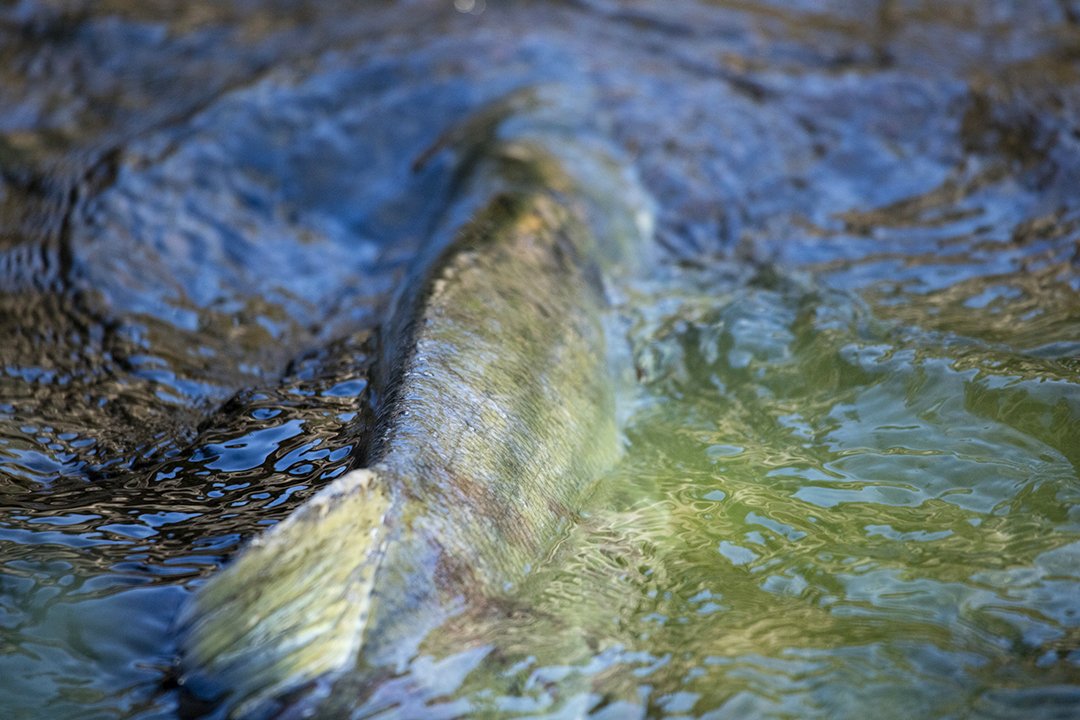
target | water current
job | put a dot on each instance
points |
(851, 483)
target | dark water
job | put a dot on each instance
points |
(854, 463)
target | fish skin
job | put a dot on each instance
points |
(499, 415)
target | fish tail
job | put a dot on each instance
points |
(292, 608)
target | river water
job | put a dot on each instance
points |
(852, 476)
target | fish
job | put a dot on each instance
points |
(499, 382)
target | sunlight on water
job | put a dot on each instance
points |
(851, 481)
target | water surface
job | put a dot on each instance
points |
(853, 457)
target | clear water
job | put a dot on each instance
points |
(852, 466)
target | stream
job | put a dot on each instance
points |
(851, 478)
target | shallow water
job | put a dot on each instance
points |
(851, 474)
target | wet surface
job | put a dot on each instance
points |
(852, 471)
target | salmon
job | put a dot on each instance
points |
(498, 415)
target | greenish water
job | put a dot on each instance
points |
(823, 513)
(852, 464)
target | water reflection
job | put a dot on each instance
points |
(851, 474)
